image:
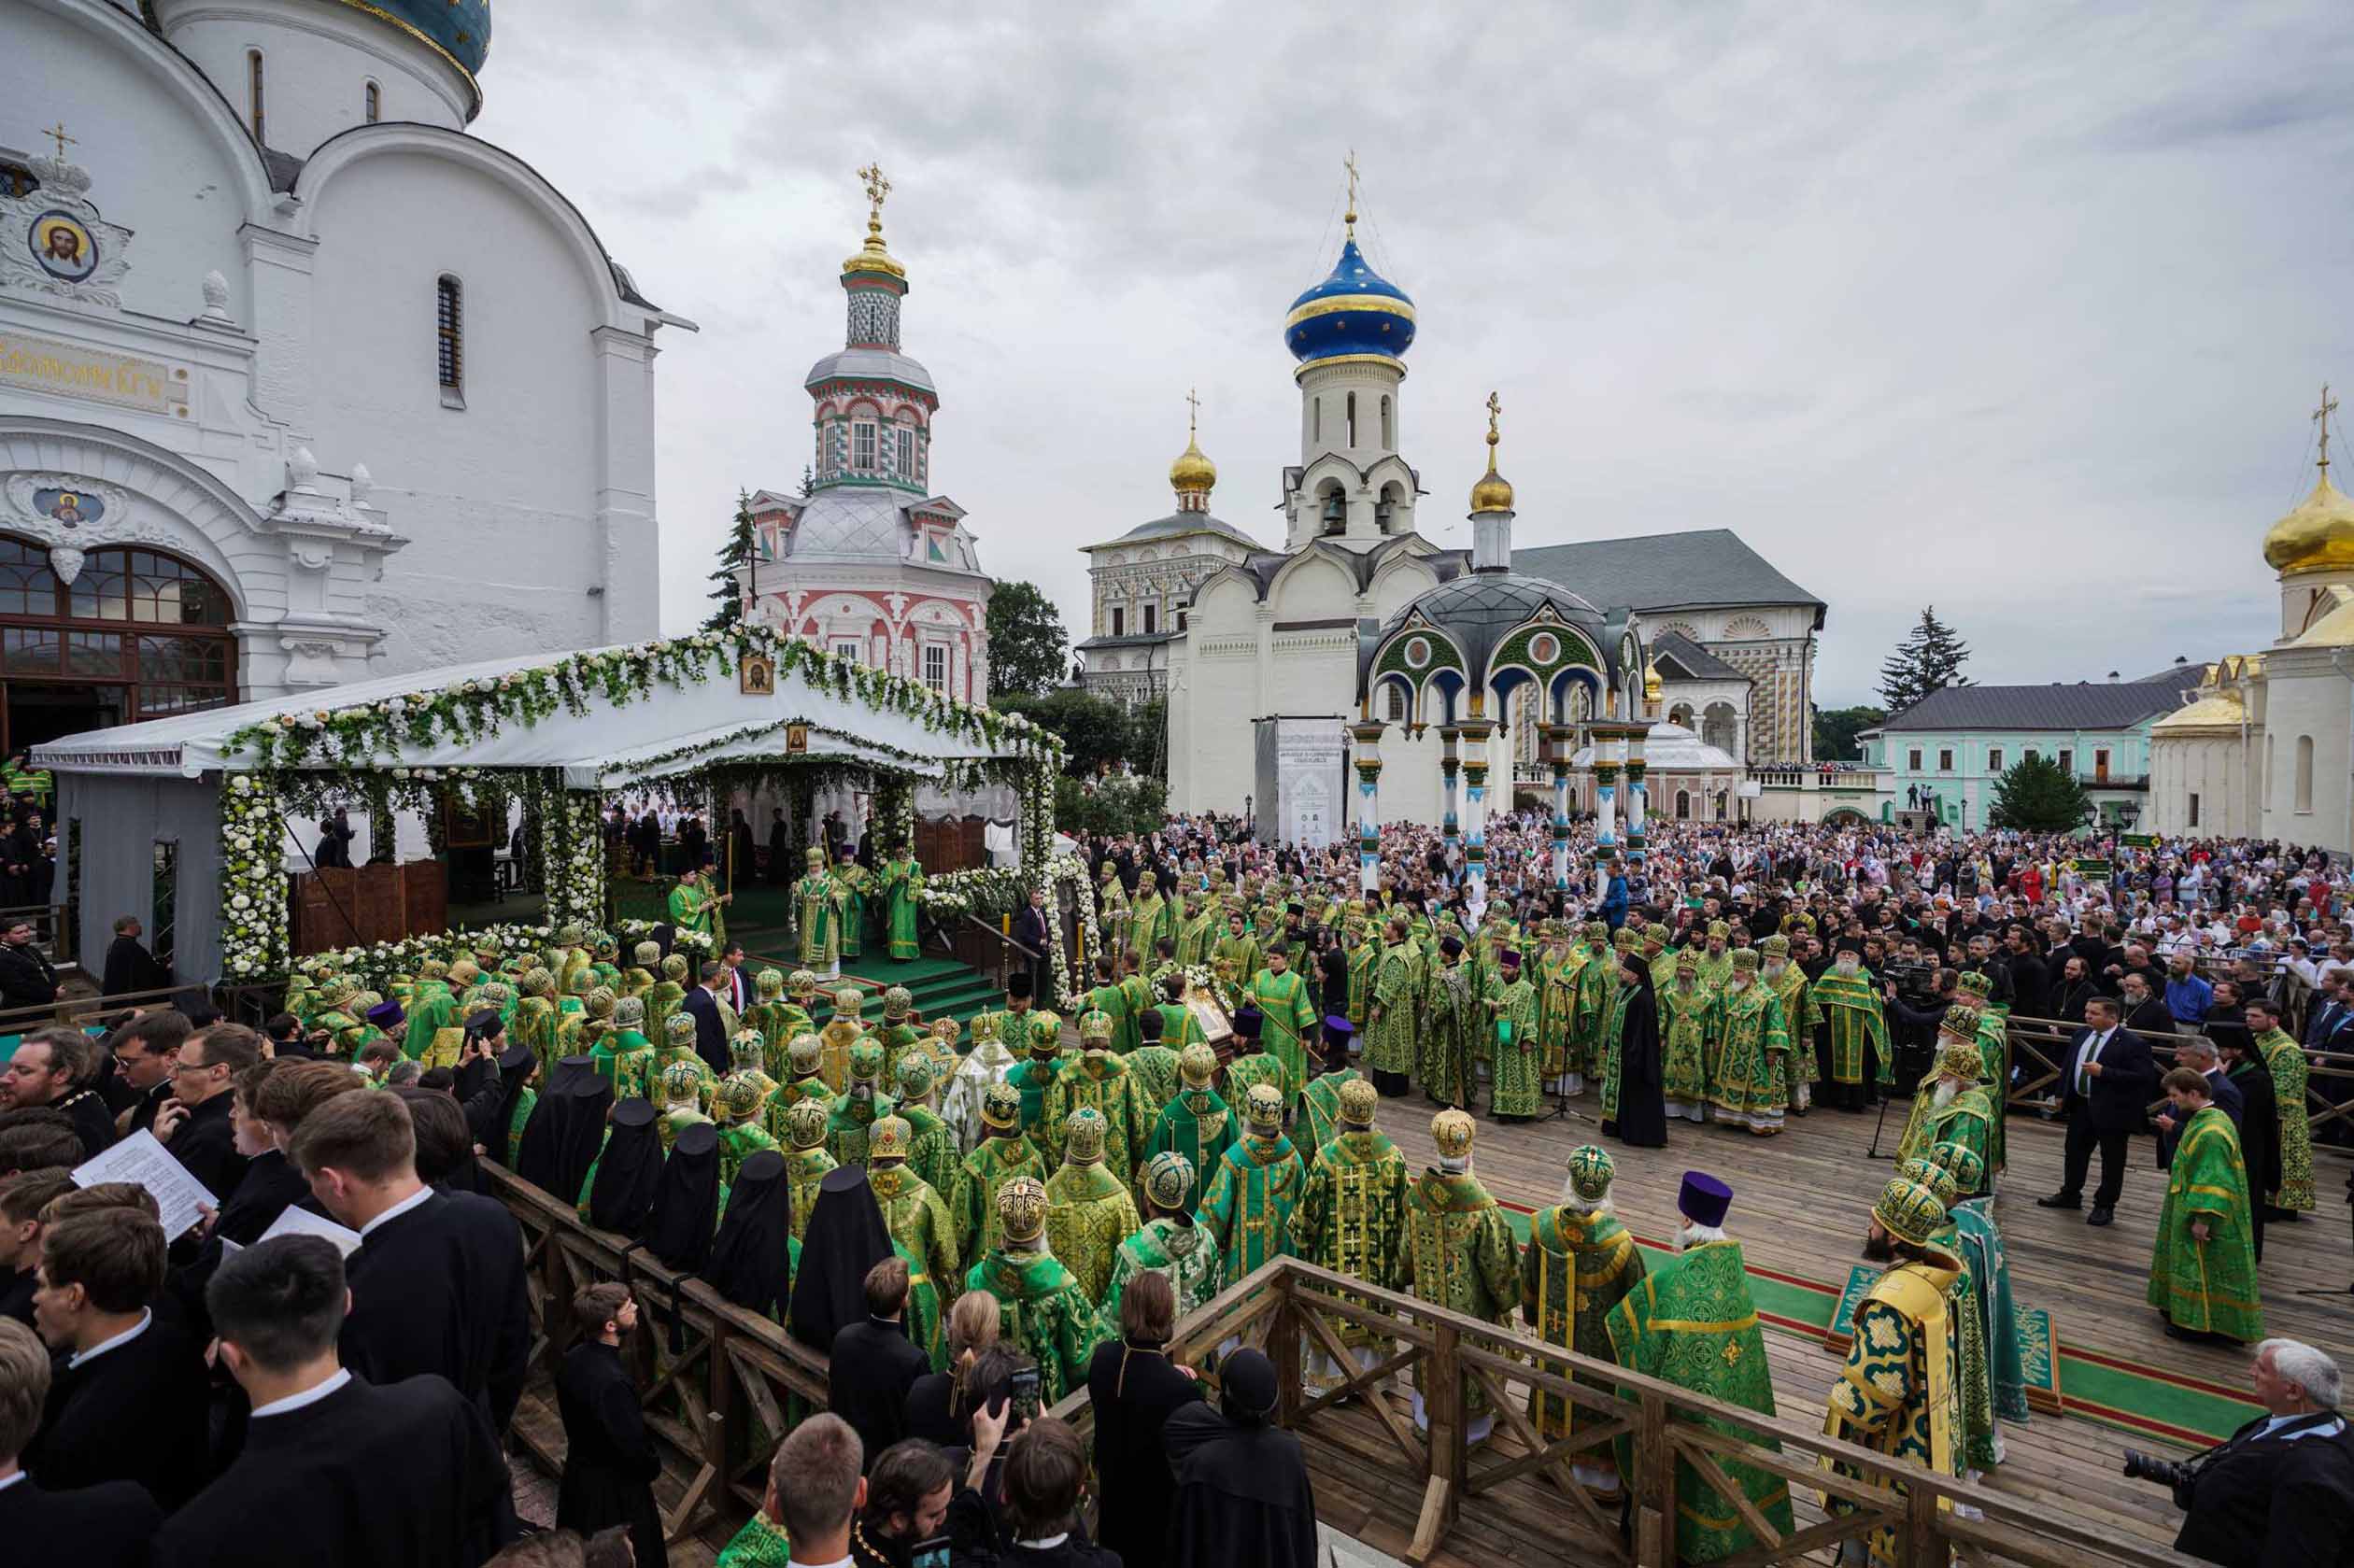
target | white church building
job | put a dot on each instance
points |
(299, 381)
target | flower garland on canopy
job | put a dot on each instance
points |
(1069, 871)
(252, 879)
(571, 841)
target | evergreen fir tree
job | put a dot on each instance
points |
(1928, 660)
(2035, 796)
(727, 588)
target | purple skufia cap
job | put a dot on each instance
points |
(1335, 1025)
(1510, 955)
(386, 1015)
(1704, 1198)
(1247, 1022)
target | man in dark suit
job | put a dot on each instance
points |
(128, 1402)
(874, 1363)
(404, 1474)
(2198, 1054)
(2329, 1015)
(194, 1123)
(711, 1027)
(610, 1461)
(437, 1282)
(103, 1526)
(2281, 1492)
(2107, 1083)
(1034, 929)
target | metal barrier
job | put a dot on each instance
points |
(718, 1385)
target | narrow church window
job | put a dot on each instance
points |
(2304, 773)
(450, 329)
(936, 666)
(1396, 703)
(1152, 614)
(1316, 414)
(1119, 622)
(1389, 436)
(253, 91)
(2194, 808)
(906, 453)
(851, 649)
(374, 100)
(863, 446)
(1353, 422)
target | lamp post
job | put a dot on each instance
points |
(1367, 733)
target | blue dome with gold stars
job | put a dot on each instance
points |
(1354, 311)
(459, 28)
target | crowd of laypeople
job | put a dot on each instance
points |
(977, 1221)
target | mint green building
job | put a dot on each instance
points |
(1948, 750)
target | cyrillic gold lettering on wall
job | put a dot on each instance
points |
(69, 369)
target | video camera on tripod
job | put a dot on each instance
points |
(1915, 981)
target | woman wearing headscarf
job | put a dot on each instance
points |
(753, 1257)
(622, 1185)
(1133, 1388)
(560, 1140)
(1642, 1104)
(845, 1238)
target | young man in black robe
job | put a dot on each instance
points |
(23, 1196)
(145, 1051)
(2259, 1116)
(334, 1470)
(130, 967)
(1243, 1488)
(874, 1363)
(610, 1461)
(194, 1124)
(128, 1401)
(103, 1526)
(437, 1282)
(1642, 1106)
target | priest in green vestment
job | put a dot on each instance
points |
(1455, 1015)
(534, 1022)
(1098, 1082)
(1042, 1309)
(1509, 1021)
(625, 1057)
(1899, 1393)
(1138, 994)
(1088, 1209)
(678, 1052)
(1951, 1107)
(931, 1150)
(1995, 1048)
(1168, 1243)
(1848, 1000)
(1152, 916)
(1747, 1087)
(1003, 1155)
(682, 1100)
(1115, 1005)
(1288, 1033)
(899, 1033)
(986, 1063)
(1112, 910)
(1589, 1019)
(1687, 1023)
(901, 883)
(1247, 1210)
(1578, 1265)
(1557, 970)
(430, 1010)
(854, 1110)
(1036, 1073)
(695, 907)
(2202, 1269)
(844, 1029)
(1978, 1243)
(1976, 1434)
(1350, 1218)
(921, 1232)
(1197, 1123)
(736, 1107)
(2286, 1060)
(803, 1058)
(1240, 949)
(806, 1161)
(775, 1020)
(1788, 982)
(1154, 1061)
(1459, 1253)
(819, 902)
(1690, 1322)
(1391, 1014)
(1320, 1103)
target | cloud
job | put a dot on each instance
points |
(2016, 308)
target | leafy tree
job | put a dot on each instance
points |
(1834, 731)
(1928, 660)
(1094, 733)
(1148, 749)
(1122, 803)
(809, 481)
(1028, 649)
(727, 588)
(2035, 796)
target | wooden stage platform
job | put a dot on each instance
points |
(1800, 1207)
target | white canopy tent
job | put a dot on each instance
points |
(211, 784)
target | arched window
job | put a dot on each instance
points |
(1353, 422)
(2304, 773)
(449, 307)
(1683, 805)
(372, 99)
(138, 634)
(254, 92)
(1396, 703)
(1389, 434)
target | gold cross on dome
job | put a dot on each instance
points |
(876, 188)
(1495, 408)
(1350, 217)
(1193, 415)
(2321, 417)
(57, 133)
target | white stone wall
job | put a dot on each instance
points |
(2218, 769)
(2307, 698)
(317, 62)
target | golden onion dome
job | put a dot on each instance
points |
(1493, 492)
(1193, 472)
(2317, 536)
(1653, 685)
(872, 258)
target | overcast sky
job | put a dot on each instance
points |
(2021, 309)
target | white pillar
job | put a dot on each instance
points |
(1475, 766)
(1606, 767)
(1450, 777)
(1368, 735)
(1637, 797)
(1557, 741)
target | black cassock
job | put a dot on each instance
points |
(439, 1289)
(845, 1237)
(686, 1213)
(2260, 1140)
(566, 1128)
(403, 1476)
(106, 1526)
(137, 1413)
(610, 1461)
(1642, 1109)
(629, 1172)
(206, 1145)
(1242, 1494)
(130, 967)
(1134, 1393)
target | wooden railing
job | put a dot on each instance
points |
(2040, 1045)
(719, 1387)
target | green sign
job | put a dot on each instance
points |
(2139, 840)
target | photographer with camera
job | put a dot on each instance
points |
(2281, 1493)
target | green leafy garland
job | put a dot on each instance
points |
(572, 841)
(1071, 872)
(253, 892)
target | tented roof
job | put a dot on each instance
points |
(611, 745)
